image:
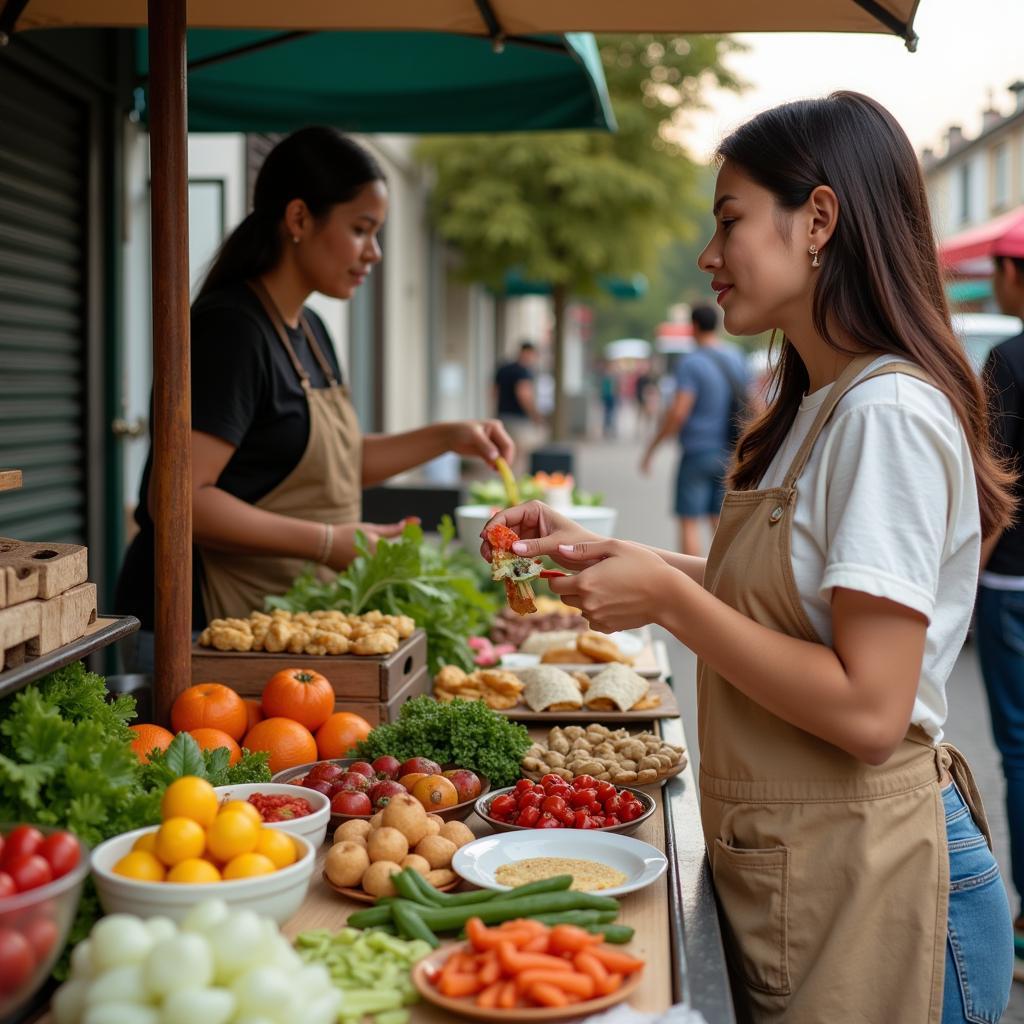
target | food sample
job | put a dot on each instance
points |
(586, 648)
(616, 688)
(616, 756)
(584, 803)
(542, 642)
(280, 808)
(318, 633)
(587, 875)
(498, 689)
(550, 689)
(515, 570)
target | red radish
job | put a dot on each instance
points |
(325, 771)
(349, 802)
(352, 782)
(382, 792)
(386, 767)
(363, 768)
(421, 765)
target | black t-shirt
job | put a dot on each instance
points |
(1004, 375)
(506, 380)
(246, 392)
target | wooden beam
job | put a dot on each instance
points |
(172, 415)
(10, 479)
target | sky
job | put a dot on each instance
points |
(966, 48)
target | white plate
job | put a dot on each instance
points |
(640, 862)
(630, 642)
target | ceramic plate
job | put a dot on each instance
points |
(640, 862)
(424, 970)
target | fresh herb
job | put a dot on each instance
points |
(183, 756)
(437, 585)
(463, 732)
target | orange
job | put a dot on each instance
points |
(288, 743)
(435, 792)
(241, 807)
(148, 738)
(253, 712)
(276, 847)
(146, 843)
(211, 706)
(339, 734)
(179, 839)
(299, 694)
(193, 871)
(211, 739)
(248, 865)
(190, 797)
(231, 835)
(142, 866)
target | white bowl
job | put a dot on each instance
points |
(471, 519)
(278, 895)
(312, 826)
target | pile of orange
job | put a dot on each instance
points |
(294, 721)
(201, 841)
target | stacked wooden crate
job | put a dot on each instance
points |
(45, 601)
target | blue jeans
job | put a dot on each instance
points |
(979, 941)
(700, 484)
(1000, 638)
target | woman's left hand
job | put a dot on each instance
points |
(486, 439)
(623, 590)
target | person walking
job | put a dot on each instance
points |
(1000, 608)
(515, 395)
(711, 390)
(847, 842)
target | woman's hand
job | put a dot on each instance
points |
(541, 530)
(620, 585)
(485, 439)
(343, 545)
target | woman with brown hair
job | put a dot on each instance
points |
(847, 842)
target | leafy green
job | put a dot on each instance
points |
(438, 585)
(183, 756)
(463, 732)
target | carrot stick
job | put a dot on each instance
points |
(588, 964)
(508, 996)
(488, 998)
(613, 984)
(613, 960)
(567, 938)
(489, 967)
(548, 995)
(569, 982)
(459, 984)
(513, 961)
(482, 938)
(538, 944)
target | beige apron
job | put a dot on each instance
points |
(325, 486)
(832, 875)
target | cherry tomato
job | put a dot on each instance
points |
(550, 780)
(61, 851)
(631, 810)
(582, 798)
(349, 802)
(42, 933)
(613, 804)
(604, 790)
(597, 820)
(29, 872)
(611, 820)
(563, 791)
(538, 788)
(7, 886)
(548, 821)
(567, 817)
(524, 786)
(590, 822)
(584, 782)
(581, 818)
(528, 817)
(20, 842)
(531, 799)
(502, 806)
(553, 805)
(16, 960)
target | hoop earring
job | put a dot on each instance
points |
(813, 251)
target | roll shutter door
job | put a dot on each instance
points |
(43, 175)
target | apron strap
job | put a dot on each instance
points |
(274, 314)
(844, 383)
(950, 759)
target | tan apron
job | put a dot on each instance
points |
(832, 875)
(324, 487)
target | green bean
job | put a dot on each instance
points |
(411, 925)
(371, 917)
(557, 883)
(578, 917)
(427, 893)
(497, 910)
(407, 884)
(614, 933)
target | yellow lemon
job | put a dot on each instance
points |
(140, 865)
(231, 835)
(190, 797)
(193, 871)
(242, 807)
(248, 865)
(277, 846)
(179, 839)
(146, 843)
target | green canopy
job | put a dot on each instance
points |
(416, 82)
(968, 291)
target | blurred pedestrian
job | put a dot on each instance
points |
(648, 400)
(711, 390)
(1000, 609)
(609, 386)
(515, 394)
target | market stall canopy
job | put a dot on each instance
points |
(390, 82)
(1003, 236)
(627, 348)
(490, 18)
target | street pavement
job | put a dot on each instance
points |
(644, 504)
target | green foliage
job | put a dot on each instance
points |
(437, 585)
(184, 756)
(463, 732)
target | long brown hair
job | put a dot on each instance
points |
(879, 284)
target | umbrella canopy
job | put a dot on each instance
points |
(627, 348)
(492, 18)
(1003, 236)
(390, 81)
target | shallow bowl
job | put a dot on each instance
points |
(310, 826)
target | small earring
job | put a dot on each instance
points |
(295, 239)
(813, 250)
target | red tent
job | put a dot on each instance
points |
(1003, 236)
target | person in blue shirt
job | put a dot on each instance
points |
(712, 383)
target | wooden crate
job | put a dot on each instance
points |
(30, 570)
(376, 712)
(368, 680)
(31, 628)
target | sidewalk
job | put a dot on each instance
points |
(644, 505)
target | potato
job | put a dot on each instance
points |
(441, 876)
(419, 864)
(346, 862)
(377, 878)
(354, 828)
(408, 815)
(457, 832)
(375, 821)
(387, 844)
(436, 851)
(434, 823)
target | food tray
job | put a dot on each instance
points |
(656, 784)
(668, 708)
(484, 802)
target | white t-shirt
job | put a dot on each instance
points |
(887, 505)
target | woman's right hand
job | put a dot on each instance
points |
(343, 545)
(541, 530)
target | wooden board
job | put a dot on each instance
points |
(368, 679)
(30, 570)
(34, 628)
(376, 712)
(10, 479)
(668, 708)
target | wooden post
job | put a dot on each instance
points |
(559, 305)
(172, 392)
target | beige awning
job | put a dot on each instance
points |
(509, 17)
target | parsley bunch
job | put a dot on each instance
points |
(466, 733)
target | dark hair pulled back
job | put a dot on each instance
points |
(318, 165)
(879, 284)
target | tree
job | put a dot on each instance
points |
(569, 207)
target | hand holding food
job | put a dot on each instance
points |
(514, 570)
(541, 531)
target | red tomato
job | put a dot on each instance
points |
(613, 804)
(611, 820)
(581, 818)
(29, 872)
(349, 802)
(531, 799)
(524, 786)
(597, 821)
(604, 790)
(567, 817)
(631, 810)
(582, 798)
(7, 886)
(553, 805)
(502, 806)
(61, 851)
(538, 788)
(584, 782)
(16, 960)
(550, 780)
(591, 823)
(528, 817)
(20, 842)
(548, 821)
(42, 933)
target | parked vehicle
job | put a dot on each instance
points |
(981, 332)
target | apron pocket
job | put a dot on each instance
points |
(753, 887)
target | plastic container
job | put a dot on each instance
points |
(471, 519)
(310, 826)
(43, 916)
